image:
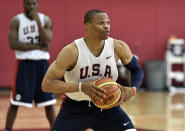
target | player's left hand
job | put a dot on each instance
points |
(126, 93)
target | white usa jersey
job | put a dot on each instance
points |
(90, 67)
(28, 33)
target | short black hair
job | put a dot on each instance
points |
(88, 16)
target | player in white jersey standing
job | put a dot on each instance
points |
(81, 64)
(30, 35)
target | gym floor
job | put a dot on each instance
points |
(158, 111)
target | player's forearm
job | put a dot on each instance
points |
(59, 86)
(23, 47)
(45, 35)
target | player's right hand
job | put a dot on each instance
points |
(95, 93)
(33, 14)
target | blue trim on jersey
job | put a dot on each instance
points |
(136, 72)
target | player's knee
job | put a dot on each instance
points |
(13, 107)
(50, 107)
(50, 110)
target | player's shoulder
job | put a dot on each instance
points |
(16, 19)
(19, 16)
(42, 14)
(119, 43)
(70, 47)
(69, 50)
(45, 17)
(122, 51)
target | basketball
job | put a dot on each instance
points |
(113, 93)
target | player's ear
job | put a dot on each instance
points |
(87, 26)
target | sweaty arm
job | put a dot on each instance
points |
(45, 32)
(52, 81)
(66, 60)
(14, 43)
(123, 53)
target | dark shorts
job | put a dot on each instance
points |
(79, 116)
(27, 85)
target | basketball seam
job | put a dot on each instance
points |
(113, 91)
(107, 83)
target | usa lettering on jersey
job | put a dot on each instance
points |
(85, 72)
(29, 29)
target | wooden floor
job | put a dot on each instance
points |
(148, 110)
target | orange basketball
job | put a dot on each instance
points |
(113, 93)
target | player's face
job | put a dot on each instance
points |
(29, 5)
(100, 26)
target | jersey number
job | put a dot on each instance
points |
(34, 40)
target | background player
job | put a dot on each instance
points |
(30, 35)
(83, 62)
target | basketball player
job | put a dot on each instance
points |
(82, 63)
(30, 35)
